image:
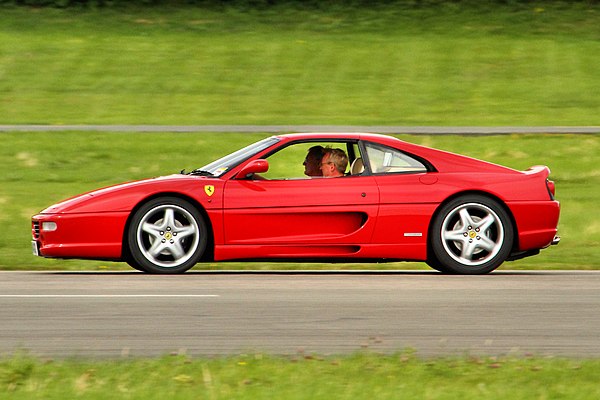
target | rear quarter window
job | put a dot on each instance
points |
(387, 160)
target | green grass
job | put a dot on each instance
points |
(44, 168)
(531, 64)
(257, 376)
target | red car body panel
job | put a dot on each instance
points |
(375, 216)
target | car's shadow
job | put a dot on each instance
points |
(313, 272)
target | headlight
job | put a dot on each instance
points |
(49, 226)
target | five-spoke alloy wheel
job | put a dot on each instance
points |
(166, 235)
(470, 235)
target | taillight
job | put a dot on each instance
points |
(551, 188)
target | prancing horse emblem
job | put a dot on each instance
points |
(209, 190)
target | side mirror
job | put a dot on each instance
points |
(253, 167)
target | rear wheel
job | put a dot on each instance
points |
(167, 235)
(471, 235)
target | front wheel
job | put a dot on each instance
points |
(166, 235)
(471, 235)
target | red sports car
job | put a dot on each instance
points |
(393, 201)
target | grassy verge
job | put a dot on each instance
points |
(361, 376)
(530, 64)
(48, 167)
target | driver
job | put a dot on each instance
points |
(312, 162)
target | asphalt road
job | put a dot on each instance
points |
(62, 314)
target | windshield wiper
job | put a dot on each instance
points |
(201, 172)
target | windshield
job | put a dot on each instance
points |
(222, 165)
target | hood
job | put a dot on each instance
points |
(125, 196)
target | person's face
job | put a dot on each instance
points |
(328, 167)
(311, 166)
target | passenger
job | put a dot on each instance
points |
(334, 163)
(312, 162)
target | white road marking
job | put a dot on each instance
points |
(88, 296)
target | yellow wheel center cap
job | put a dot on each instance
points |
(168, 235)
(472, 234)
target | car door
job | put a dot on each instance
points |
(291, 212)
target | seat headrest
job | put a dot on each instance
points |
(357, 167)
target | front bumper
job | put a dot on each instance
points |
(83, 235)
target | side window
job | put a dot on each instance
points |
(291, 161)
(287, 163)
(384, 159)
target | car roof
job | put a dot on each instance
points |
(340, 136)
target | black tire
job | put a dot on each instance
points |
(133, 264)
(166, 235)
(472, 234)
(435, 264)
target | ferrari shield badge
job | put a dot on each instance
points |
(209, 190)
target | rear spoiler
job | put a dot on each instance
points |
(544, 172)
(538, 169)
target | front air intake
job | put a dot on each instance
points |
(35, 229)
